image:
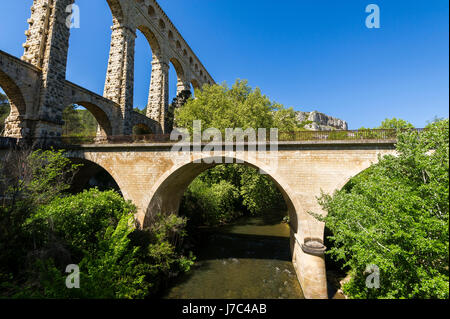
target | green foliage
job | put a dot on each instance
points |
(226, 189)
(78, 122)
(50, 175)
(82, 219)
(138, 110)
(218, 106)
(259, 193)
(27, 180)
(395, 124)
(210, 204)
(396, 215)
(225, 192)
(42, 230)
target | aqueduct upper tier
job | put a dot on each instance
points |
(38, 90)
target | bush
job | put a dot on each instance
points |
(206, 204)
(395, 215)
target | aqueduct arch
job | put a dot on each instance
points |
(14, 123)
(42, 71)
(103, 121)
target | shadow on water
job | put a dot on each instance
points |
(235, 245)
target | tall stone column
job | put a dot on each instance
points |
(183, 85)
(119, 83)
(46, 47)
(158, 98)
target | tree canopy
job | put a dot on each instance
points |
(395, 215)
(240, 106)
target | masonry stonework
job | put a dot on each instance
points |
(38, 90)
(155, 178)
(152, 176)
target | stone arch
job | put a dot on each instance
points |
(178, 68)
(161, 24)
(116, 11)
(140, 120)
(152, 41)
(14, 122)
(170, 187)
(357, 171)
(104, 123)
(195, 84)
(88, 170)
(182, 83)
(142, 129)
(151, 11)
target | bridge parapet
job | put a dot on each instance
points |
(284, 138)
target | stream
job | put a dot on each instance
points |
(249, 259)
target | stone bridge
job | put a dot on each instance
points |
(155, 176)
(38, 91)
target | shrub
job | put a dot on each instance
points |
(395, 215)
(210, 204)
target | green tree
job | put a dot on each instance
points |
(43, 229)
(395, 124)
(27, 180)
(395, 215)
(240, 106)
(78, 122)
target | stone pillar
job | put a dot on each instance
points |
(46, 47)
(37, 33)
(15, 126)
(308, 259)
(183, 85)
(158, 99)
(119, 83)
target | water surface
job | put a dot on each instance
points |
(247, 260)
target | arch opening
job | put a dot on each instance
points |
(176, 79)
(169, 190)
(12, 108)
(91, 175)
(84, 119)
(195, 86)
(97, 54)
(142, 129)
(147, 53)
(245, 245)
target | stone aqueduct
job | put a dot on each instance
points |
(151, 175)
(38, 90)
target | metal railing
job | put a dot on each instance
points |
(349, 135)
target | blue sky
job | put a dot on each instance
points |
(308, 54)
